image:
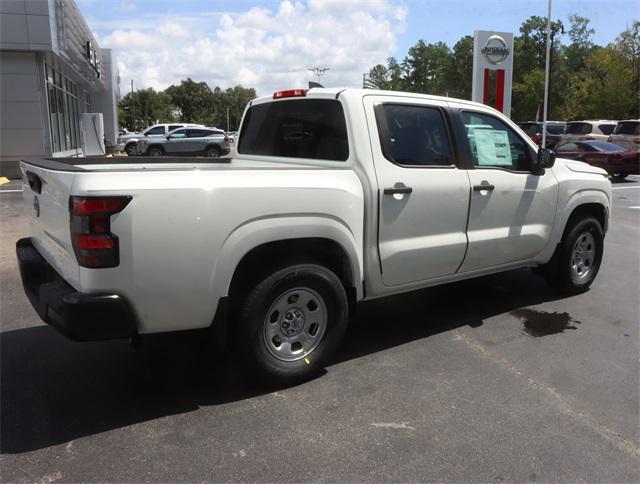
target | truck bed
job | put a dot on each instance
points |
(122, 163)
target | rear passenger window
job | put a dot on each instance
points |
(301, 128)
(494, 144)
(199, 133)
(413, 135)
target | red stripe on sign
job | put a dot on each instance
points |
(485, 96)
(500, 90)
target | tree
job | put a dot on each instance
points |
(426, 67)
(193, 100)
(149, 107)
(460, 69)
(578, 50)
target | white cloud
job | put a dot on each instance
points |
(262, 48)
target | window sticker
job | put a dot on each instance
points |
(489, 146)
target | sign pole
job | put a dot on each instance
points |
(546, 80)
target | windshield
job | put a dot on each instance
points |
(605, 146)
(628, 127)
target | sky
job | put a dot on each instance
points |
(269, 45)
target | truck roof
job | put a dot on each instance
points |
(334, 92)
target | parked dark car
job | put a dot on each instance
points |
(614, 158)
(555, 129)
(208, 142)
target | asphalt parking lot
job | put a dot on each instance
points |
(495, 379)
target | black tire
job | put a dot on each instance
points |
(130, 149)
(212, 152)
(620, 176)
(258, 316)
(562, 271)
(155, 151)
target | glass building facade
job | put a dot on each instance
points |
(64, 113)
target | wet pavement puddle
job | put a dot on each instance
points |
(543, 323)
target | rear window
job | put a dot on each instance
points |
(555, 128)
(628, 127)
(531, 128)
(301, 128)
(607, 128)
(578, 128)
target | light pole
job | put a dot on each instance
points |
(546, 80)
(133, 109)
(318, 71)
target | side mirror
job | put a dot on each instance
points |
(545, 159)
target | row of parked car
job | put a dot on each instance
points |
(177, 140)
(611, 145)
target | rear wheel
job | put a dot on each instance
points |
(155, 151)
(212, 152)
(577, 262)
(291, 322)
(620, 176)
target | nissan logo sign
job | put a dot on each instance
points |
(495, 50)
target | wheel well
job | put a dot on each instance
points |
(267, 258)
(596, 210)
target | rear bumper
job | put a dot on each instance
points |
(79, 316)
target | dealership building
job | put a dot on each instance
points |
(52, 71)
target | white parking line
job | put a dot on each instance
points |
(10, 191)
(625, 188)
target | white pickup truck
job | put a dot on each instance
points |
(335, 196)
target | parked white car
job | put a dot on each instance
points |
(128, 142)
(335, 196)
(595, 130)
(627, 134)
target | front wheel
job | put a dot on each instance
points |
(130, 149)
(155, 151)
(619, 176)
(291, 322)
(579, 256)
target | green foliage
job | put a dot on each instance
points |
(586, 80)
(148, 106)
(189, 102)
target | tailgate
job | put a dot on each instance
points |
(46, 197)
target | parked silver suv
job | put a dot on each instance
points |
(191, 141)
(128, 142)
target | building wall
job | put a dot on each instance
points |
(25, 24)
(51, 33)
(22, 127)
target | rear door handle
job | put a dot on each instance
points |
(398, 191)
(478, 188)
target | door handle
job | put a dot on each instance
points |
(398, 191)
(478, 188)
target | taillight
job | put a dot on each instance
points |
(637, 141)
(290, 93)
(226, 138)
(93, 243)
